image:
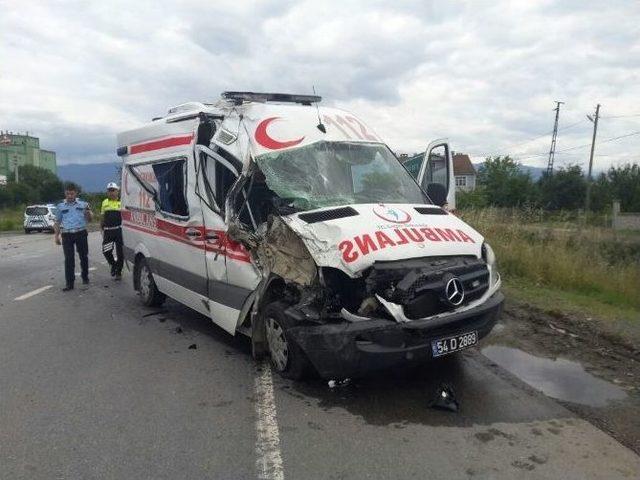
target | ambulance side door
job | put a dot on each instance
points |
(435, 174)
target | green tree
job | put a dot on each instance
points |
(504, 183)
(625, 186)
(45, 184)
(601, 193)
(564, 190)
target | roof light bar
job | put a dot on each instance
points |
(239, 97)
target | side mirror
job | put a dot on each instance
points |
(437, 193)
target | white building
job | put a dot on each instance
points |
(464, 172)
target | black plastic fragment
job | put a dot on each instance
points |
(445, 399)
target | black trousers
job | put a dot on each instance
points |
(114, 236)
(79, 239)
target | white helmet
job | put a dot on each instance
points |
(112, 185)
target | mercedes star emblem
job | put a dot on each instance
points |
(454, 291)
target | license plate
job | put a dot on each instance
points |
(444, 346)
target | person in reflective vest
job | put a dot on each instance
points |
(111, 226)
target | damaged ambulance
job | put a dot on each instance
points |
(296, 225)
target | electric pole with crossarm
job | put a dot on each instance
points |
(594, 119)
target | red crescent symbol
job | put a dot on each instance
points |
(263, 138)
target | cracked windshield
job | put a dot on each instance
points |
(327, 174)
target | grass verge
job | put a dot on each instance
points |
(591, 265)
(11, 218)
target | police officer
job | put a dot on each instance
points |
(111, 225)
(72, 216)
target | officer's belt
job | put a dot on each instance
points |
(73, 230)
(112, 228)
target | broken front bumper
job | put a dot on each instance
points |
(351, 349)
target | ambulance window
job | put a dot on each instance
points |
(171, 178)
(225, 178)
(413, 164)
(436, 170)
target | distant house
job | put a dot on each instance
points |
(464, 172)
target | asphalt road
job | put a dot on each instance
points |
(95, 386)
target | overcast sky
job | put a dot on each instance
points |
(484, 74)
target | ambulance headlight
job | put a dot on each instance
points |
(490, 257)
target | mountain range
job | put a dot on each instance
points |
(92, 177)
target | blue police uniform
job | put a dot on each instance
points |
(73, 226)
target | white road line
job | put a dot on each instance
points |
(91, 269)
(269, 459)
(34, 292)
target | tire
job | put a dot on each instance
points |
(147, 289)
(287, 358)
(27, 231)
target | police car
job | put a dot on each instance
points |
(296, 225)
(39, 218)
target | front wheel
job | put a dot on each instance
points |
(286, 356)
(149, 293)
(27, 231)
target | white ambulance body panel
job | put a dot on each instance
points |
(184, 186)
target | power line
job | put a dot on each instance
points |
(621, 136)
(623, 116)
(504, 150)
(606, 140)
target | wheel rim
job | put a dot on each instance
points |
(145, 282)
(278, 347)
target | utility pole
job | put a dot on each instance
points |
(15, 166)
(587, 202)
(552, 150)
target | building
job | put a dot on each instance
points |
(23, 150)
(464, 172)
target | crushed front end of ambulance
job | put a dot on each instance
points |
(369, 273)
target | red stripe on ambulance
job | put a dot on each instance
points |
(162, 143)
(362, 245)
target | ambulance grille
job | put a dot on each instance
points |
(430, 210)
(324, 215)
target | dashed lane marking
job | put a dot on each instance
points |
(269, 459)
(33, 292)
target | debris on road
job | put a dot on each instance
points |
(193, 346)
(153, 313)
(178, 330)
(339, 383)
(445, 399)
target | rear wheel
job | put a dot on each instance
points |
(286, 357)
(27, 231)
(149, 293)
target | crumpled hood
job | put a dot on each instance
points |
(377, 232)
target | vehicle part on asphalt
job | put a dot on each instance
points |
(345, 382)
(445, 399)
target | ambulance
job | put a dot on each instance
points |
(296, 225)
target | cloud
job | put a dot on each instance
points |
(484, 74)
